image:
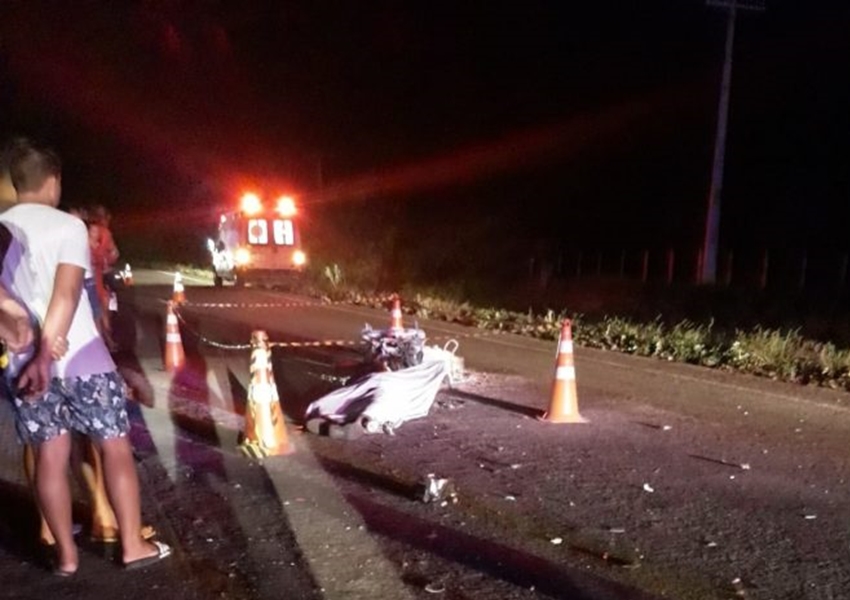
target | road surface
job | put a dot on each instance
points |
(683, 483)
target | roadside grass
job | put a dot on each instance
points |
(779, 354)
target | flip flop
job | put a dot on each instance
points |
(57, 572)
(162, 551)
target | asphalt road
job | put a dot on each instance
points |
(684, 483)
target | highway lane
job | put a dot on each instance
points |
(602, 375)
(794, 438)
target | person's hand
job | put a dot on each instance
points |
(23, 338)
(35, 377)
(60, 347)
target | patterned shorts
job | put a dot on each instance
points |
(95, 405)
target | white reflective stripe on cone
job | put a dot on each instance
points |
(261, 393)
(566, 347)
(566, 372)
(172, 337)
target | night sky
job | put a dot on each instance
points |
(567, 125)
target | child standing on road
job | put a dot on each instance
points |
(45, 267)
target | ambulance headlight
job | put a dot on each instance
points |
(299, 258)
(242, 256)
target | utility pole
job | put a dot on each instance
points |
(712, 219)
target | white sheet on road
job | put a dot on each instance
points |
(387, 398)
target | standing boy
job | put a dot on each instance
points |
(44, 267)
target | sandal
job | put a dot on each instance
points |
(162, 551)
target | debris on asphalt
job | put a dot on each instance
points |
(556, 541)
(435, 588)
(437, 489)
(648, 488)
(655, 426)
(810, 517)
(721, 461)
(619, 561)
(450, 403)
(738, 587)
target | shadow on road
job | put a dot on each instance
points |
(497, 403)
(495, 559)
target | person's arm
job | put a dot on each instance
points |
(15, 328)
(67, 290)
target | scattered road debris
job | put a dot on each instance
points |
(435, 588)
(720, 461)
(438, 489)
(738, 587)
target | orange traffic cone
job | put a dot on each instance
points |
(563, 408)
(265, 429)
(396, 322)
(174, 358)
(179, 294)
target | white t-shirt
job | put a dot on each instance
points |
(44, 238)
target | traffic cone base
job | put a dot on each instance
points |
(265, 427)
(563, 406)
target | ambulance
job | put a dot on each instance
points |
(258, 243)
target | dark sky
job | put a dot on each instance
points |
(522, 110)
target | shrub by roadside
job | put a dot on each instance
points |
(783, 355)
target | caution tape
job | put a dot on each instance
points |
(316, 344)
(224, 346)
(310, 344)
(460, 334)
(250, 304)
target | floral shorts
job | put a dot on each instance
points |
(95, 405)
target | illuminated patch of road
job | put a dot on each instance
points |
(343, 557)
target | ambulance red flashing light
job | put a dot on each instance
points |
(251, 204)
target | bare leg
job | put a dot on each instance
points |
(122, 484)
(29, 468)
(54, 497)
(103, 523)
